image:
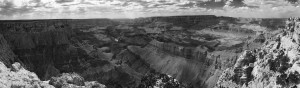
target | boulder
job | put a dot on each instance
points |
(16, 67)
(94, 84)
(67, 78)
(73, 80)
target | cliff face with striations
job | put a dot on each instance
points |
(14, 75)
(6, 54)
(37, 49)
(200, 72)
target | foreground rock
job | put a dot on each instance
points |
(73, 80)
(18, 77)
(157, 80)
(276, 65)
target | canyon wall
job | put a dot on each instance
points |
(58, 46)
(123, 54)
(200, 72)
(6, 54)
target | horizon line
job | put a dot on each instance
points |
(135, 18)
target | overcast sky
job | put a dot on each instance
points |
(81, 9)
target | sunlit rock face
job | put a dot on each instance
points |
(17, 77)
(274, 65)
(73, 80)
(200, 72)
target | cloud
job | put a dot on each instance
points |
(264, 9)
(55, 9)
(293, 1)
(11, 7)
(212, 4)
(63, 1)
(237, 3)
(187, 4)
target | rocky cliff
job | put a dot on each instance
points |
(58, 46)
(6, 54)
(200, 71)
(276, 64)
(16, 76)
(19, 77)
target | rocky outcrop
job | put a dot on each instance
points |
(67, 78)
(157, 80)
(18, 77)
(73, 80)
(274, 65)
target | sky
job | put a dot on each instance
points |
(84, 9)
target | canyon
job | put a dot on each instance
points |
(198, 51)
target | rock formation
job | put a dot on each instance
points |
(274, 65)
(18, 77)
(73, 80)
(159, 81)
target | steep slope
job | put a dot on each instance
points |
(18, 77)
(202, 71)
(274, 65)
(6, 54)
